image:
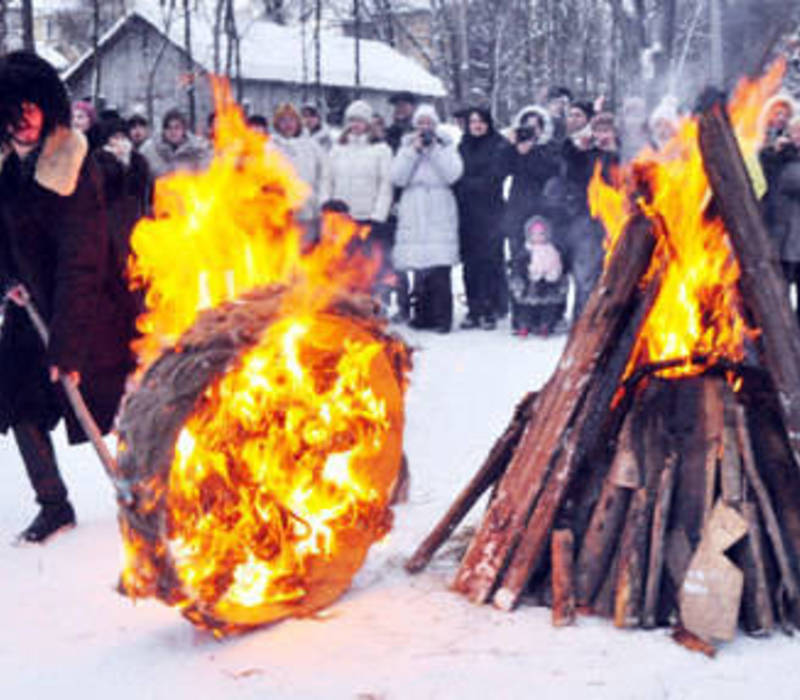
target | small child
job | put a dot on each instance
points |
(538, 284)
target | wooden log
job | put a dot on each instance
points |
(583, 434)
(630, 583)
(655, 565)
(777, 468)
(789, 583)
(592, 336)
(757, 613)
(598, 546)
(730, 469)
(491, 470)
(714, 419)
(764, 289)
(562, 549)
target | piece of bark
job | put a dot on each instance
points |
(562, 549)
(598, 328)
(764, 289)
(692, 642)
(491, 470)
(655, 565)
(712, 590)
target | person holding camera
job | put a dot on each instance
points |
(531, 161)
(776, 151)
(425, 167)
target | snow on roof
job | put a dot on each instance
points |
(274, 53)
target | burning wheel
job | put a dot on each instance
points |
(261, 452)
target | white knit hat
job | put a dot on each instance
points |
(426, 110)
(358, 110)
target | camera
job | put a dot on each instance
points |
(525, 133)
(426, 137)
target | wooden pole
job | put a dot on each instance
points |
(764, 289)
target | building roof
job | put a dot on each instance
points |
(274, 53)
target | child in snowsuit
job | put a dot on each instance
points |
(537, 282)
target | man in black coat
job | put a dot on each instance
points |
(54, 244)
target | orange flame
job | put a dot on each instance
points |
(281, 476)
(697, 315)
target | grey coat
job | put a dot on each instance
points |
(787, 213)
(427, 217)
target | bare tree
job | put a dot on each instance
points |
(28, 42)
(96, 60)
(3, 26)
(189, 63)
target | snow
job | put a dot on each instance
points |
(393, 635)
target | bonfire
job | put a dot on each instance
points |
(654, 479)
(262, 444)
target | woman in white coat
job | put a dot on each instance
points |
(425, 167)
(360, 176)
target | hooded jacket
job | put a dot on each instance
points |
(427, 217)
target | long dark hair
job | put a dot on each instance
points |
(25, 77)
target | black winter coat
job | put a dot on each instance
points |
(54, 240)
(530, 173)
(479, 193)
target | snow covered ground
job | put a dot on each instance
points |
(67, 634)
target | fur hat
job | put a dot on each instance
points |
(283, 110)
(358, 110)
(173, 114)
(425, 110)
(543, 116)
(25, 77)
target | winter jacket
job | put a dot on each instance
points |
(54, 240)
(162, 157)
(360, 175)
(311, 165)
(786, 230)
(530, 173)
(545, 262)
(427, 219)
(480, 194)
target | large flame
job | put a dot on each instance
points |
(696, 319)
(281, 475)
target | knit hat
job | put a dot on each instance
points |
(667, 109)
(87, 109)
(358, 110)
(425, 110)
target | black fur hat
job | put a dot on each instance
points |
(25, 77)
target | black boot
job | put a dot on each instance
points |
(52, 518)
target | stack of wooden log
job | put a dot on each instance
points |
(652, 501)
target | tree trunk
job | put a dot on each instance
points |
(96, 61)
(189, 64)
(28, 42)
(3, 26)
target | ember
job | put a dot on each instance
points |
(654, 478)
(266, 435)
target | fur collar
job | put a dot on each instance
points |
(59, 164)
